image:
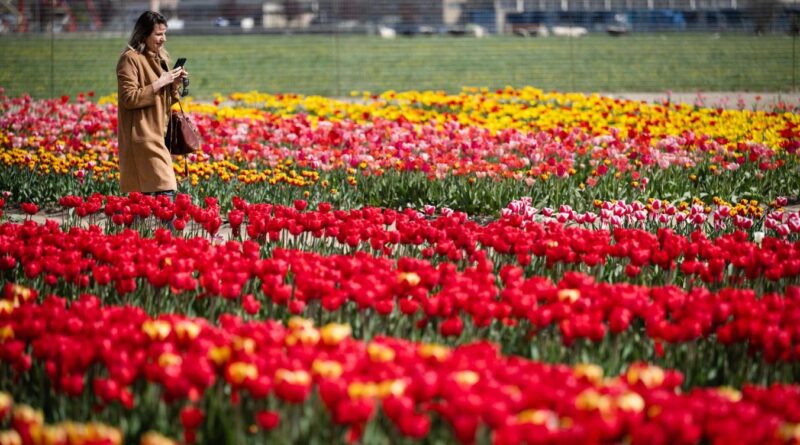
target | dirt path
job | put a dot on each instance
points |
(730, 99)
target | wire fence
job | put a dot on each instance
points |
(333, 47)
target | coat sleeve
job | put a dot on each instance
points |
(131, 94)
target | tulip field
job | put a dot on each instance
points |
(486, 267)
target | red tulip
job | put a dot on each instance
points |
(465, 427)
(292, 386)
(260, 387)
(354, 411)
(191, 417)
(413, 425)
(452, 327)
(29, 208)
(250, 304)
(297, 307)
(267, 420)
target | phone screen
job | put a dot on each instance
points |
(180, 62)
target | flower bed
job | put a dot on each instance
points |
(266, 375)
(417, 298)
(463, 151)
(736, 256)
(486, 267)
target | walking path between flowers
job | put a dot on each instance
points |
(224, 233)
(718, 99)
(60, 215)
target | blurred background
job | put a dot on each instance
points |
(335, 47)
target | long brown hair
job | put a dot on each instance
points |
(144, 27)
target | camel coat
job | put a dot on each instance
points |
(145, 164)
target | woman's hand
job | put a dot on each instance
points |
(181, 75)
(168, 77)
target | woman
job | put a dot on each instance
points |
(146, 89)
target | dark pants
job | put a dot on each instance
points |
(170, 193)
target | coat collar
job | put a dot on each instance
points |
(157, 56)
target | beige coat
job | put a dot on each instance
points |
(145, 164)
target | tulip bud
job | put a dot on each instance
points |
(396, 407)
(153, 438)
(300, 204)
(10, 437)
(619, 320)
(466, 378)
(238, 372)
(156, 329)
(19, 293)
(452, 327)
(168, 359)
(191, 417)
(296, 307)
(630, 402)
(465, 427)
(6, 332)
(539, 417)
(292, 386)
(186, 330)
(569, 295)
(29, 208)
(650, 376)
(235, 217)
(6, 402)
(591, 400)
(409, 278)
(407, 307)
(334, 333)
(179, 224)
(438, 352)
(354, 411)
(327, 369)
(590, 372)
(413, 425)
(332, 390)
(219, 355)
(24, 418)
(267, 420)
(250, 304)
(380, 353)
(632, 271)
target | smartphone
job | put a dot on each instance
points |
(180, 62)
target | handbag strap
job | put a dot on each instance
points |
(173, 134)
(180, 105)
(170, 125)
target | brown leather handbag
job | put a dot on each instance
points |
(182, 136)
